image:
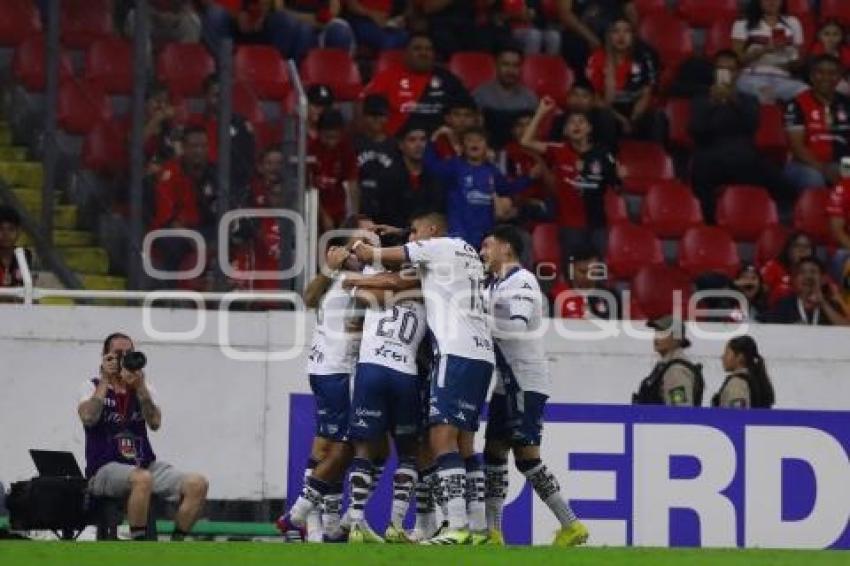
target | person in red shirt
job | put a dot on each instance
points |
(319, 98)
(831, 42)
(536, 203)
(377, 24)
(776, 273)
(584, 294)
(333, 171)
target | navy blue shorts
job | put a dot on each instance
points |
(516, 418)
(333, 402)
(458, 391)
(384, 400)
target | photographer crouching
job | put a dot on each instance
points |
(116, 409)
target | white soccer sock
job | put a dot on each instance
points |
(404, 481)
(546, 486)
(496, 491)
(475, 494)
(453, 488)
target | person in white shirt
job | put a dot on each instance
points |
(515, 419)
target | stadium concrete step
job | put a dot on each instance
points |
(22, 173)
(12, 153)
(87, 260)
(104, 282)
(63, 239)
(64, 215)
(5, 135)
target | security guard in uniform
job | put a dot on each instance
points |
(675, 380)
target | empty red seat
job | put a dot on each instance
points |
(797, 7)
(653, 290)
(771, 242)
(334, 68)
(718, 37)
(19, 21)
(85, 21)
(389, 58)
(678, 112)
(669, 35)
(646, 7)
(28, 64)
(631, 247)
(810, 215)
(263, 68)
(669, 209)
(246, 103)
(546, 246)
(105, 149)
(641, 163)
(745, 211)
(183, 68)
(703, 13)
(547, 75)
(473, 68)
(80, 106)
(835, 10)
(705, 249)
(770, 137)
(109, 63)
(615, 208)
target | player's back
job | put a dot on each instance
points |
(334, 346)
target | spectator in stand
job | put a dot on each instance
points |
(536, 203)
(723, 126)
(584, 293)
(161, 132)
(582, 98)
(377, 24)
(814, 302)
(170, 21)
(471, 183)
(10, 231)
(585, 24)
(319, 99)
(749, 283)
(417, 90)
(831, 42)
(583, 171)
(747, 386)
(462, 25)
(376, 152)
(529, 27)
(768, 42)
(776, 273)
(839, 220)
(505, 96)
(460, 115)
(818, 125)
(623, 74)
(333, 171)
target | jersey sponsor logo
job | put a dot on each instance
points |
(460, 416)
(483, 343)
(364, 412)
(360, 423)
(388, 354)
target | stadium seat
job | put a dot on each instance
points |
(810, 215)
(334, 68)
(546, 245)
(389, 58)
(20, 20)
(810, 29)
(678, 112)
(109, 64)
(81, 105)
(770, 243)
(669, 35)
(745, 211)
(615, 208)
(246, 103)
(797, 7)
(652, 290)
(631, 247)
(28, 64)
(105, 149)
(703, 13)
(85, 21)
(835, 10)
(263, 68)
(646, 7)
(473, 68)
(669, 209)
(183, 68)
(547, 75)
(641, 163)
(718, 37)
(705, 249)
(771, 139)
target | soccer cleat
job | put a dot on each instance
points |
(459, 536)
(335, 538)
(290, 531)
(496, 538)
(360, 533)
(478, 539)
(395, 535)
(574, 535)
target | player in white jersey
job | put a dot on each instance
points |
(515, 419)
(452, 277)
(386, 399)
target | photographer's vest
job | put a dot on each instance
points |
(650, 391)
(120, 435)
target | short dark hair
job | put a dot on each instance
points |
(10, 215)
(331, 119)
(418, 35)
(584, 252)
(510, 47)
(193, 129)
(509, 235)
(474, 131)
(822, 59)
(274, 148)
(464, 102)
(810, 260)
(107, 343)
(521, 115)
(727, 54)
(432, 216)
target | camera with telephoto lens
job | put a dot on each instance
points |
(133, 361)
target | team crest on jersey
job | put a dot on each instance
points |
(436, 82)
(126, 446)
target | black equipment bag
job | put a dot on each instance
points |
(51, 503)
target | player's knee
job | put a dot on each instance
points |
(195, 486)
(527, 465)
(141, 480)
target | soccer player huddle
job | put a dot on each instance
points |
(407, 341)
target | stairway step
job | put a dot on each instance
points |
(22, 173)
(65, 217)
(64, 239)
(12, 153)
(5, 136)
(56, 301)
(31, 198)
(88, 260)
(104, 282)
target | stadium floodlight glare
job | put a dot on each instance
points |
(299, 233)
(193, 235)
(185, 335)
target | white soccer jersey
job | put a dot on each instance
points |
(391, 336)
(334, 349)
(452, 283)
(516, 303)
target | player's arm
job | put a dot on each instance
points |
(320, 284)
(388, 257)
(394, 282)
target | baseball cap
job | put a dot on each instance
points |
(320, 95)
(376, 105)
(671, 324)
(331, 120)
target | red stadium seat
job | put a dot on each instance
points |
(109, 63)
(641, 163)
(646, 7)
(810, 29)
(745, 211)
(547, 75)
(678, 112)
(28, 64)
(810, 215)
(706, 249)
(669, 209)
(771, 243)
(718, 37)
(473, 68)
(81, 105)
(389, 58)
(835, 10)
(183, 68)
(20, 20)
(653, 290)
(771, 139)
(334, 68)
(669, 35)
(264, 69)
(546, 245)
(631, 247)
(85, 21)
(797, 7)
(615, 208)
(703, 13)
(246, 103)
(105, 149)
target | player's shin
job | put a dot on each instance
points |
(452, 474)
(311, 498)
(496, 489)
(313, 519)
(547, 488)
(426, 512)
(475, 494)
(360, 482)
(331, 513)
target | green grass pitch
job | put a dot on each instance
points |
(24, 553)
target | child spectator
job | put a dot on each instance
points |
(461, 115)
(10, 231)
(584, 293)
(333, 171)
(377, 24)
(582, 98)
